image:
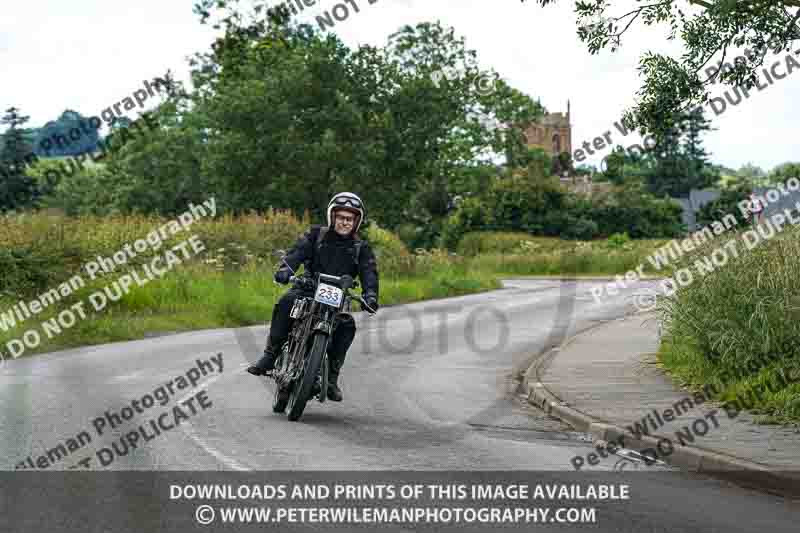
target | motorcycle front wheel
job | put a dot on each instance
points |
(281, 397)
(303, 388)
(280, 400)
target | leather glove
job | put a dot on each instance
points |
(282, 276)
(372, 302)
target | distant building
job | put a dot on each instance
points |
(693, 203)
(698, 198)
(552, 133)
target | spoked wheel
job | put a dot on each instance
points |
(323, 380)
(304, 388)
(280, 400)
(281, 397)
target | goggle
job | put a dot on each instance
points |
(347, 201)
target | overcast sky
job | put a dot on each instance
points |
(89, 54)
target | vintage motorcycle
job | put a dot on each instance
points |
(302, 367)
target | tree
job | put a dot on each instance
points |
(783, 172)
(563, 163)
(726, 204)
(54, 140)
(289, 116)
(17, 188)
(708, 28)
(627, 167)
(615, 163)
(680, 162)
(752, 174)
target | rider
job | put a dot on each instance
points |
(334, 253)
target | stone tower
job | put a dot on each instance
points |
(553, 133)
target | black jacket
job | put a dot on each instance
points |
(336, 257)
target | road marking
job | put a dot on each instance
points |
(221, 457)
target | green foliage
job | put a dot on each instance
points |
(519, 203)
(618, 241)
(726, 204)
(782, 173)
(17, 189)
(53, 139)
(43, 249)
(739, 324)
(680, 163)
(615, 162)
(522, 254)
(286, 116)
(543, 207)
(706, 28)
(47, 173)
(634, 211)
(93, 190)
(470, 215)
(581, 229)
(390, 252)
(485, 242)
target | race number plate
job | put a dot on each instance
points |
(329, 295)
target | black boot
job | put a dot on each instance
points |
(334, 392)
(264, 365)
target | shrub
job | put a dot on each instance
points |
(726, 204)
(482, 242)
(42, 250)
(583, 229)
(471, 215)
(636, 212)
(618, 241)
(390, 252)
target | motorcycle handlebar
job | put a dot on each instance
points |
(309, 283)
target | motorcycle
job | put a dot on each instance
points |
(302, 366)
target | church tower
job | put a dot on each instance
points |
(552, 133)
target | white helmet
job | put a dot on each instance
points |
(349, 201)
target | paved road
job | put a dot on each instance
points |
(428, 386)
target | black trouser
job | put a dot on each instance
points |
(343, 333)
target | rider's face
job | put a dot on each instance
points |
(344, 222)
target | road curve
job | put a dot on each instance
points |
(428, 386)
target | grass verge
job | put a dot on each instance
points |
(200, 297)
(738, 327)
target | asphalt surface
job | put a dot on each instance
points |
(428, 386)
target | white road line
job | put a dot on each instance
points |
(219, 456)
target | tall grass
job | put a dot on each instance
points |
(523, 254)
(739, 326)
(230, 285)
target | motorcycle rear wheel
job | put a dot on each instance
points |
(303, 388)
